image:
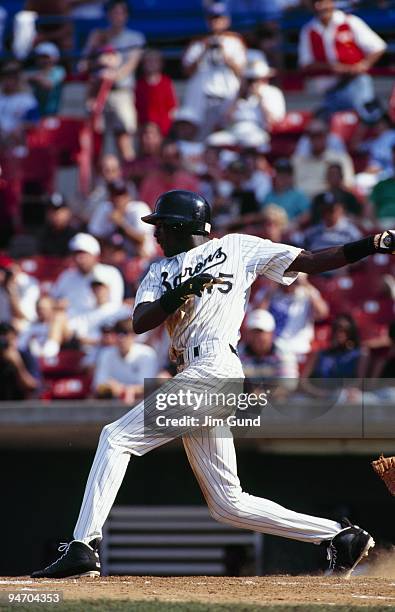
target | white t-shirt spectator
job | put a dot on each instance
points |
(76, 288)
(15, 109)
(101, 225)
(88, 325)
(28, 290)
(294, 318)
(34, 337)
(250, 109)
(217, 79)
(141, 362)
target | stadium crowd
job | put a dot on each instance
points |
(70, 266)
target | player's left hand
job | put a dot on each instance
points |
(385, 242)
(196, 285)
(174, 298)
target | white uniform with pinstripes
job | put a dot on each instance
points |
(211, 322)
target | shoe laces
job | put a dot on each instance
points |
(63, 546)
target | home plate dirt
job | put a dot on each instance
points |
(359, 590)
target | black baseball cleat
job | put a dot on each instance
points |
(348, 548)
(78, 559)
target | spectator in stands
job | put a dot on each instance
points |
(334, 229)
(57, 231)
(121, 370)
(19, 373)
(270, 223)
(383, 196)
(44, 336)
(155, 93)
(170, 175)
(120, 214)
(148, 153)
(73, 290)
(311, 169)
(257, 104)
(18, 107)
(345, 48)
(258, 173)
(120, 112)
(274, 222)
(110, 170)
(258, 353)
(214, 65)
(185, 132)
(333, 142)
(319, 204)
(345, 358)
(380, 147)
(114, 251)
(18, 294)
(46, 80)
(335, 182)
(86, 327)
(242, 193)
(295, 309)
(385, 367)
(283, 193)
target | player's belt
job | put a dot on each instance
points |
(197, 351)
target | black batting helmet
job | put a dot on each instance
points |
(184, 210)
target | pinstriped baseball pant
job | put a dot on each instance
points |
(211, 454)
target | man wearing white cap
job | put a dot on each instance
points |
(259, 355)
(47, 79)
(73, 287)
(186, 124)
(258, 104)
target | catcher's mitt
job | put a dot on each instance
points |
(385, 468)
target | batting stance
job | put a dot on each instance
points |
(200, 290)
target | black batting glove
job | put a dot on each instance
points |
(174, 298)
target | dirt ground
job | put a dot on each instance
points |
(291, 590)
(374, 586)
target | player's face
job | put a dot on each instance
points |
(168, 239)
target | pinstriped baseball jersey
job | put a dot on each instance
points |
(216, 316)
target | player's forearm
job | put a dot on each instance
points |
(337, 257)
(148, 316)
(319, 261)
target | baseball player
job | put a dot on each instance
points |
(200, 290)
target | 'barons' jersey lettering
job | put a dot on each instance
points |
(214, 259)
